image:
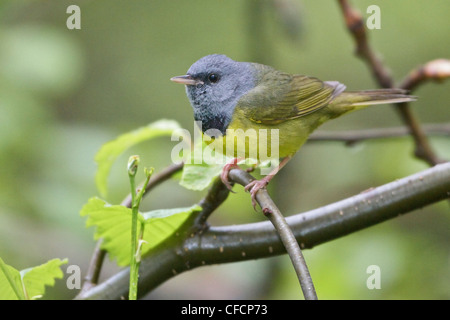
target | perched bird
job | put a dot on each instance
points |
(226, 94)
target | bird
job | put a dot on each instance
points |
(228, 95)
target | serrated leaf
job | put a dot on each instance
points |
(113, 225)
(35, 279)
(108, 153)
(29, 283)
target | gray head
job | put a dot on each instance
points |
(214, 85)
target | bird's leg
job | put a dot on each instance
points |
(226, 170)
(254, 186)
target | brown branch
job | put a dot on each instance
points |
(216, 195)
(436, 70)
(285, 233)
(95, 266)
(355, 25)
(423, 149)
(258, 240)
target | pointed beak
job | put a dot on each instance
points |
(187, 80)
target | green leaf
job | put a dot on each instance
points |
(199, 176)
(108, 153)
(164, 213)
(10, 283)
(113, 225)
(201, 167)
(35, 279)
(29, 283)
(162, 224)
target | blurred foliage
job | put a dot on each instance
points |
(63, 93)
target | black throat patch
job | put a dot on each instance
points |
(218, 122)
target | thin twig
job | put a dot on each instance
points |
(423, 149)
(95, 266)
(436, 70)
(258, 240)
(355, 25)
(351, 137)
(157, 178)
(272, 212)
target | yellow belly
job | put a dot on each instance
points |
(246, 139)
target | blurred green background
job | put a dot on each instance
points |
(63, 93)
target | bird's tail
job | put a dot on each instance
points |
(354, 100)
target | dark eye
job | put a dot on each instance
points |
(213, 77)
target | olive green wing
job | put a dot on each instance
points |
(292, 96)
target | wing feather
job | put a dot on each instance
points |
(292, 97)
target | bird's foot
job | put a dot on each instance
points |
(254, 186)
(226, 170)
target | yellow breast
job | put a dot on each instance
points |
(247, 139)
